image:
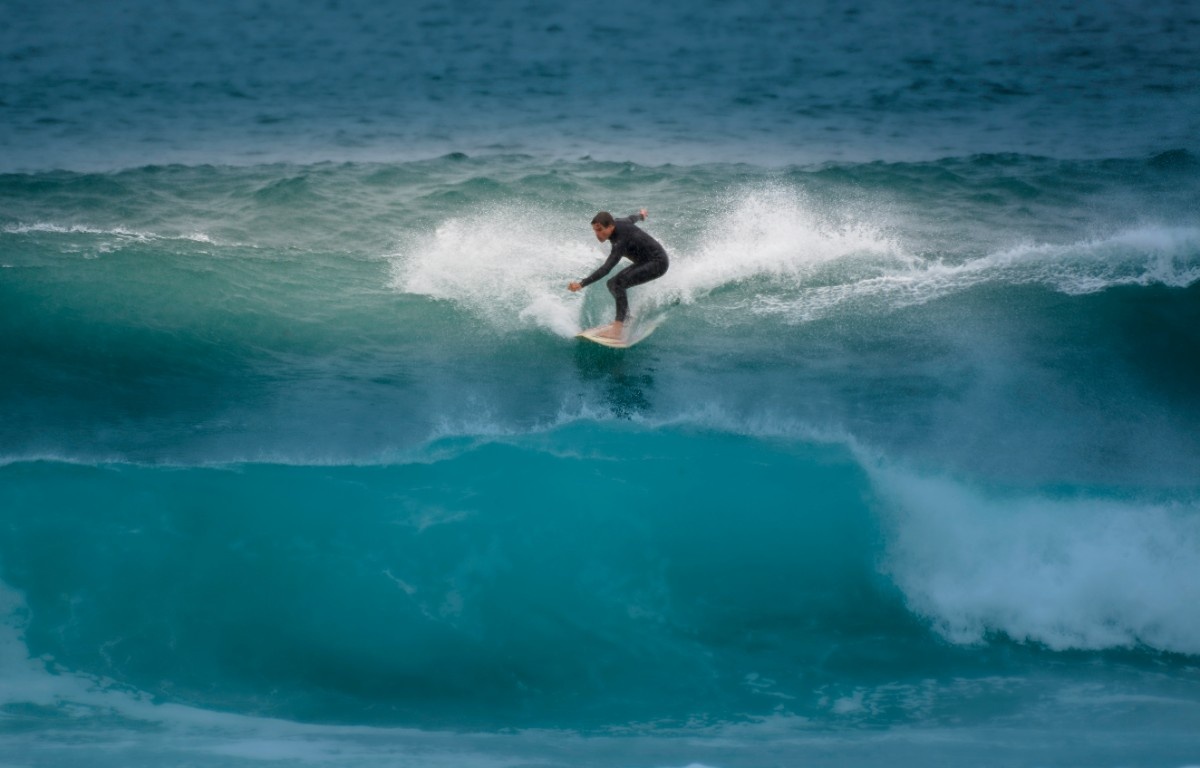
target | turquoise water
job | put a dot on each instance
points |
(300, 463)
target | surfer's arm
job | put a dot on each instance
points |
(636, 217)
(604, 269)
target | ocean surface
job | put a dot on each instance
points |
(302, 465)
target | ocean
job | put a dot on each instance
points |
(302, 465)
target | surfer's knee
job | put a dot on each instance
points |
(614, 286)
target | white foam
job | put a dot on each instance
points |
(508, 266)
(1144, 256)
(71, 229)
(806, 259)
(118, 232)
(1083, 573)
(772, 231)
(511, 266)
(1140, 256)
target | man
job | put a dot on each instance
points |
(648, 257)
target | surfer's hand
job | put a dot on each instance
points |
(575, 286)
(645, 214)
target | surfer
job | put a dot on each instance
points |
(648, 256)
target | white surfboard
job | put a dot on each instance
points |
(629, 340)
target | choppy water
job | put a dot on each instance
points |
(302, 465)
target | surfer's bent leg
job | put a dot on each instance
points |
(635, 274)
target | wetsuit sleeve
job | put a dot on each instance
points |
(604, 269)
(634, 218)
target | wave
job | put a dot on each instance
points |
(1063, 568)
(777, 256)
(772, 252)
(439, 589)
(404, 301)
(1069, 571)
(51, 710)
(590, 587)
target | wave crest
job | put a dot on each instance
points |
(1070, 573)
(768, 250)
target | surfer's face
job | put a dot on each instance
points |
(603, 232)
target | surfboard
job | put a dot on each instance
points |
(630, 339)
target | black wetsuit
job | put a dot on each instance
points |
(648, 257)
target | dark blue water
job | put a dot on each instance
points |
(133, 82)
(301, 464)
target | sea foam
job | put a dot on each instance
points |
(510, 266)
(505, 265)
(1071, 572)
(769, 251)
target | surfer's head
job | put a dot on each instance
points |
(603, 225)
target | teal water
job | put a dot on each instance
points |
(301, 464)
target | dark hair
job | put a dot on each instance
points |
(604, 219)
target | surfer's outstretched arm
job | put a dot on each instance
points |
(604, 269)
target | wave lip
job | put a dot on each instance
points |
(1079, 573)
(1139, 256)
(1142, 256)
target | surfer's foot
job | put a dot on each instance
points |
(613, 331)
